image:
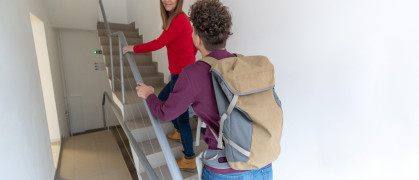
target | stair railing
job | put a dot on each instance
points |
(161, 137)
(140, 154)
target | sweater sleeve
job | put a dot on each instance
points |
(176, 28)
(178, 101)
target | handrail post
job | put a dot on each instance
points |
(108, 31)
(110, 49)
(104, 117)
(121, 64)
(105, 125)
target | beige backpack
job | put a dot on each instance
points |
(250, 113)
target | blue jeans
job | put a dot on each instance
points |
(181, 123)
(264, 173)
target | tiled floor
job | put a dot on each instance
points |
(92, 156)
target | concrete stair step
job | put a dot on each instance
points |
(138, 123)
(145, 70)
(104, 40)
(155, 156)
(130, 83)
(143, 121)
(146, 132)
(135, 111)
(152, 146)
(140, 59)
(117, 27)
(127, 33)
(106, 49)
(131, 96)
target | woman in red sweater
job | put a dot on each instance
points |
(177, 37)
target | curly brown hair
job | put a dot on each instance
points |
(212, 22)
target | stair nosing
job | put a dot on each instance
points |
(170, 141)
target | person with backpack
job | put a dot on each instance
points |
(176, 37)
(232, 94)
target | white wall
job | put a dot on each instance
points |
(39, 9)
(146, 15)
(75, 14)
(44, 66)
(346, 72)
(116, 11)
(57, 78)
(24, 132)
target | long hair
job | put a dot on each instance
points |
(167, 17)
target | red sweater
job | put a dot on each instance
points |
(178, 40)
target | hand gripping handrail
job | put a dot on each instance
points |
(161, 137)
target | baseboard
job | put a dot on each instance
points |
(89, 131)
(59, 158)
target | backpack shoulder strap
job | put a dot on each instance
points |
(209, 60)
(212, 61)
(238, 55)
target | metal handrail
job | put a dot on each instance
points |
(143, 159)
(161, 137)
(108, 32)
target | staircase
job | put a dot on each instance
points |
(135, 115)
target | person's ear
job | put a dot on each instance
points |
(198, 40)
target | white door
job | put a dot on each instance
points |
(85, 85)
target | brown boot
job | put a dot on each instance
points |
(187, 164)
(175, 135)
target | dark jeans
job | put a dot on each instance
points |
(181, 123)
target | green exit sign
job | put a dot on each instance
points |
(97, 51)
